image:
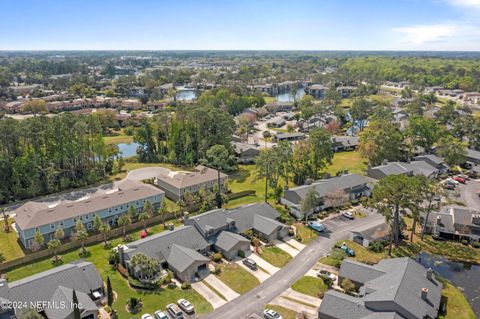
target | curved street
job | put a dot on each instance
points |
(255, 300)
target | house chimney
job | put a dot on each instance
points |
(424, 293)
(429, 273)
(185, 215)
(121, 254)
(439, 220)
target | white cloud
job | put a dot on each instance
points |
(419, 34)
(465, 3)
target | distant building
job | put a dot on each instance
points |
(455, 223)
(47, 218)
(176, 183)
(346, 91)
(246, 153)
(394, 288)
(351, 186)
(316, 90)
(277, 122)
(52, 291)
(412, 168)
(368, 234)
(345, 143)
(295, 136)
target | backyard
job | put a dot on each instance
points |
(284, 312)
(9, 246)
(351, 161)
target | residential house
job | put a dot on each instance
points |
(277, 122)
(346, 91)
(289, 116)
(389, 168)
(345, 143)
(177, 183)
(316, 90)
(473, 156)
(433, 160)
(368, 234)
(295, 136)
(393, 288)
(278, 106)
(231, 245)
(46, 217)
(245, 153)
(51, 292)
(455, 223)
(180, 250)
(351, 186)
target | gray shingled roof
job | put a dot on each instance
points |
(393, 286)
(81, 276)
(327, 186)
(158, 246)
(213, 219)
(266, 225)
(473, 154)
(65, 295)
(421, 168)
(244, 215)
(227, 240)
(180, 179)
(181, 258)
(392, 168)
(34, 214)
(433, 158)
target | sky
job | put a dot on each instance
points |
(443, 25)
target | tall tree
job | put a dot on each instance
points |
(219, 158)
(105, 231)
(380, 141)
(452, 150)
(38, 239)
(322, 150)
(53, 246)
(109, 292)
(123, 221)
(309, 203)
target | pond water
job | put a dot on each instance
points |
(462, 275)
(288, 97)
(128, 149)
(186, 95)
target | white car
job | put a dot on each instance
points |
(270, 314)
(185, 305)
(160, 315)
(147, 316)
(348, 215)
(452, 181)
(326, 273)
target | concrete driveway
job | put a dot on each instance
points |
(216, 283)
(262, 263)
(208, 294)
(296, 306)
(259, 274)
(286, 248)
(292, 242)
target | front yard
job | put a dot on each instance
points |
(275, 256)
(310, 286)
(457, 305)
(305, 234)
(9, 246)
(284, 312)
(237, 278)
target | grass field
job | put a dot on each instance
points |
(351, 161)
(9, 246)
(275, 256)
(237, 278)
(457, 305)
(310, 286)
(118, 139)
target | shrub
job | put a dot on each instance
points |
(476, 244)
(241, 254)
(171, 285)
(134, 303)
(143, 285)
(217, 257)
(186, 285)
(376, 246)
(217, 270)
(347, 285)
(327, 280)
(465, 242)
(113, 257)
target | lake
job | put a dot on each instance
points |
(462, 275)
(128, 149)
(288, 97)
(186, 95)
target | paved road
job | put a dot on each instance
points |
(469, 194)
(255, 299)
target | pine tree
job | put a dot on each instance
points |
(109, 293)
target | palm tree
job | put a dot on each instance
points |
(53, 246)
(139, 260)
(266, 136)
(309, 203)
(123, 221)
(163, 211)
(82, 236)
(219, 158)
(38, 239)
(105, 231)
(143, 217)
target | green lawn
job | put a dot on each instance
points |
(305, 234)
(237, 278)
(286, 313)
(351, 161)
(275, 256)
(362, 254)
(118, 139)
(457, 305)
(310, 286)
(9, 246)
(152, 300)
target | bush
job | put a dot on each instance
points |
(476, 244)
(465, 242)
(376, 246)
(113, 257)
(186, 285)
(217, 270)
(347, 285)
(327, 280)
(134, 303)
(217, 257)
(241, 254)
(172, 285)
(143, 285)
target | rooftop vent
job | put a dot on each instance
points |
(429, 273)
(424, 293)
(476, 219)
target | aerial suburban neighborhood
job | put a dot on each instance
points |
(240, 160)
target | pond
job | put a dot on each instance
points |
(288, 97)
(462, 275)
(186, 95)
(128, 149)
